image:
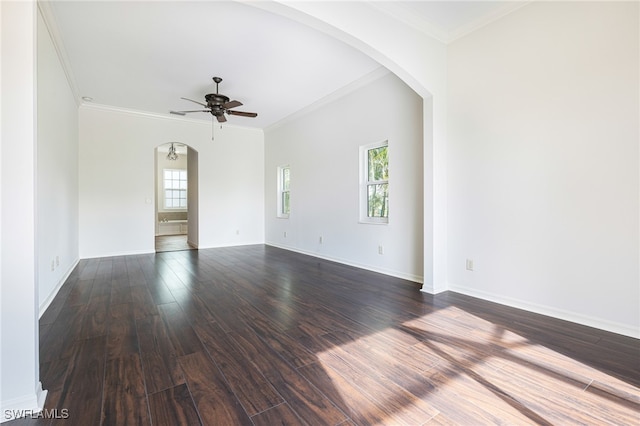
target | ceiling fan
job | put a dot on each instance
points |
(218, 105)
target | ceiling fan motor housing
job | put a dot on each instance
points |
(218, 105)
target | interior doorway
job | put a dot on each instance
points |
(176, 206)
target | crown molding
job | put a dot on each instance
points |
(407, 17)
(410, 18)
(158, 116)
(48, 16)
(332, 97)
(508, 8)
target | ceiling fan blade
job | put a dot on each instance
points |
(221, 118)
(243, 113)
(199, 103)
(186, 112)
(232, 104)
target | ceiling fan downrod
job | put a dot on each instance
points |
(217, 81)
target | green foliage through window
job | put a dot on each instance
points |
(378, 182)
(285, 195)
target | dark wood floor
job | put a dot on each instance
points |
(260, 336)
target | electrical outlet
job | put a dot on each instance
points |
(285, 234)
(320, 239)
(380, 249)
(469, 264)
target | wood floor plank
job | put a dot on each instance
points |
(285, 346)
(120, 292)
(357, 405)
(159, 358)
(475, 400)
(406, 404)
(304, 399)
(173, 406)
(546, 390)
(125, 401)
(179, 330)
(281, 414)
(80, 293)
(143, 302)
(251, 388)
(62, 333)
(94, 322)
(122, 338)
(81, 393)
(214, 400)
(195, 309)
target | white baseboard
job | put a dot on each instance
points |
(45, 304)
(24, 406)
(397, 274)
(549, 311)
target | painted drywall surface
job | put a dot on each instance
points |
(19, 370)
(543, 162)
(420, 61)
(322, 150)
(117, 180)
(192, 194)
(57, 172)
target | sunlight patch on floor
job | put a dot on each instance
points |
(468, 364)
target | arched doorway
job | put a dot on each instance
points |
(176, 206)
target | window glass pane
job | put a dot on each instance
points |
(378, 164)
(285, 179)
(378, 200)
(175, 188)
(285, 203)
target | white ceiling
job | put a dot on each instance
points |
(147, 55)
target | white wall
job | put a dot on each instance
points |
(57, 172)
(322, 149)
(19, 370)
(117, 213)
(543, 189)
(420, 61)
(192, 196)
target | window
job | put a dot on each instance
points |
(284, 197)
(175, 189)
(374, 194)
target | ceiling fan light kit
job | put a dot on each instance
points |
(217, 105)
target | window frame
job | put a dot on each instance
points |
(365, 183)
(281, 191)
(164, 189)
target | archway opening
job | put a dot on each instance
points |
(176, 205)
